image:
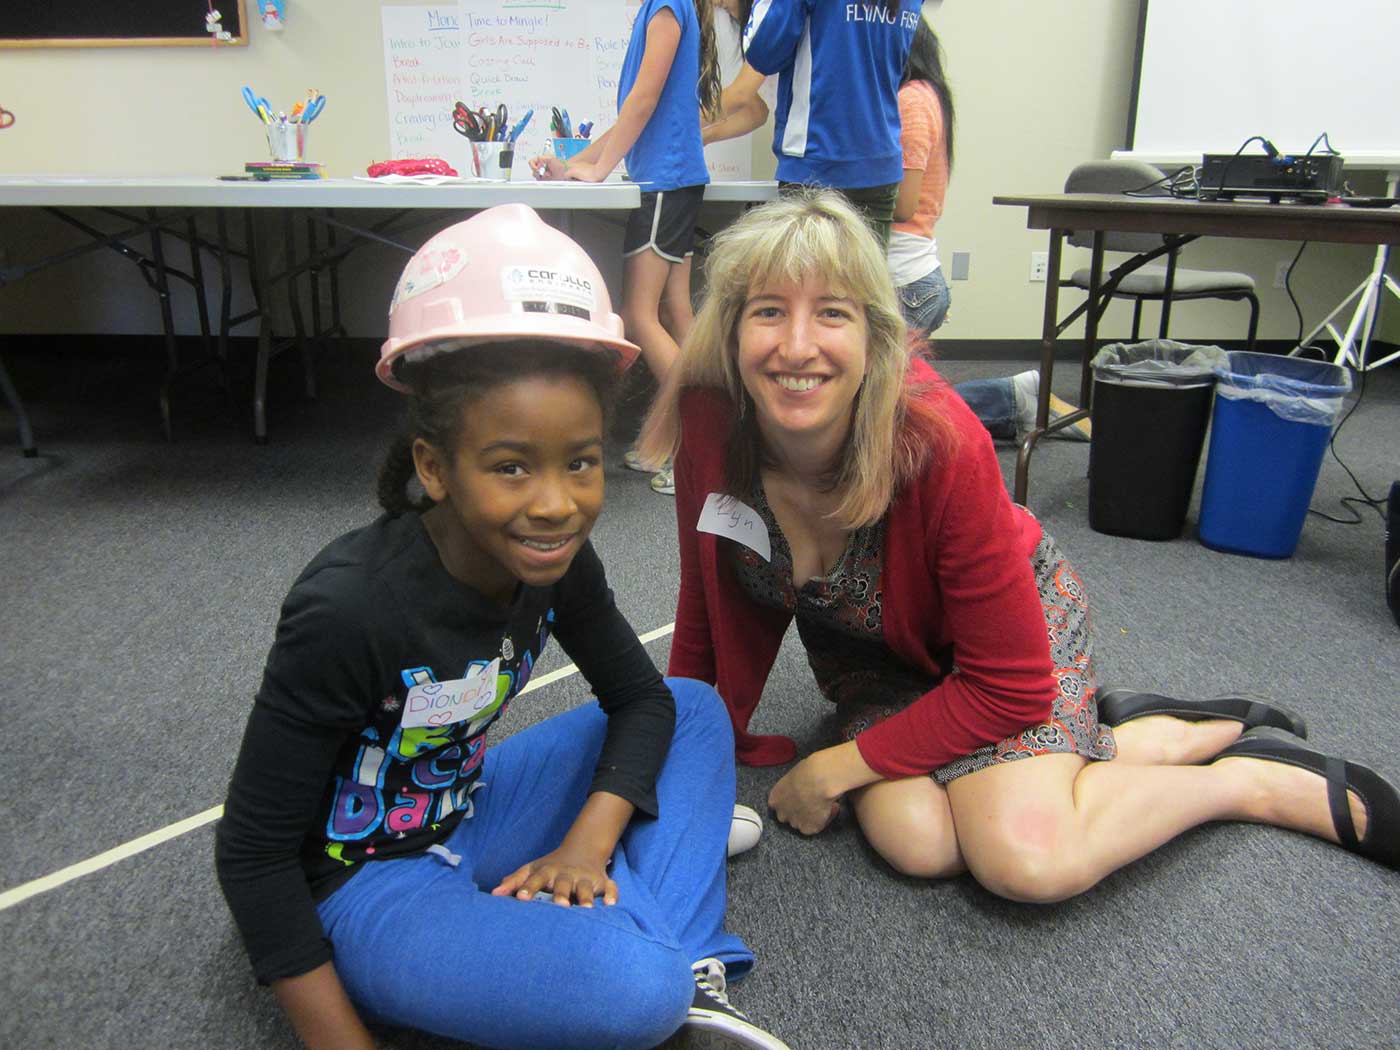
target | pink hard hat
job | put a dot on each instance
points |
(502, 274)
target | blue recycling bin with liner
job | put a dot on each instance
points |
(1273, 418)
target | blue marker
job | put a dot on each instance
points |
(520, 126)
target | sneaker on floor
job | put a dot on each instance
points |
(632, 460)
(664, 482)
(1025, 388)
(744, 830)
(713, 1023)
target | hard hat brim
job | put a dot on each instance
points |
(501, 327)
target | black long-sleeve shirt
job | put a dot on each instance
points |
(373, 634)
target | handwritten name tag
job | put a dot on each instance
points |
(734, 520)
(443, 703)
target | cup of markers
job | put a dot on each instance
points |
(568, 141)
(566, 148)
(287, 132)
(493, 160)
(287, 142)
(492, 135)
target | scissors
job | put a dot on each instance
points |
(559, 121)
(468, 123)
(258, 105)
(6, 118)
(313, 109)
(498, 124)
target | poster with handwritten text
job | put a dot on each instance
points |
(731, 160)
(423, 77)
(536, 55)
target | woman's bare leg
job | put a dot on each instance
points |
(908, 822)
(1047, 828)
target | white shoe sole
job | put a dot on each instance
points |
(745, 829)
(716, 1031)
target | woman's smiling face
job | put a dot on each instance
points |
(802, 357)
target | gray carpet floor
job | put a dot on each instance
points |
(141, 583)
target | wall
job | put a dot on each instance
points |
(1039, 88)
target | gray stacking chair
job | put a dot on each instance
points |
(1137, 279)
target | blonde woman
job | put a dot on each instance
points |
(823, 475)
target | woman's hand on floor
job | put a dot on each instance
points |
(808, 797)
(800, 798)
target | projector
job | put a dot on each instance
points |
(1225, 176)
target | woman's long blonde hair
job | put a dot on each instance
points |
(893, 429)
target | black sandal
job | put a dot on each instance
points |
(1123, 705)
(1377, 794)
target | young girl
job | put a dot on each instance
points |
(1005, 404)
(926, 136)
(672, 49)
(837, 121)
(378, 863)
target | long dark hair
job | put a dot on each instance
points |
(709, 88)
(444, 383)
(925, 63)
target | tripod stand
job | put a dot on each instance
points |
(1352, 346)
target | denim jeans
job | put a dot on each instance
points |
(993, 401)
(420, 942)
(925, 302)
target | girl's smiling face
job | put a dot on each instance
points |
(802, 350)
(522, 489)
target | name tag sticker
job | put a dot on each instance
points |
(444, 703)
(734, 520)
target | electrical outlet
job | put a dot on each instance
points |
(962, 265)
(1040, 266)
(1281, 273)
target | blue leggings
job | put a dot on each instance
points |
(422, 944)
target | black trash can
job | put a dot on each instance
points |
(1150, 409)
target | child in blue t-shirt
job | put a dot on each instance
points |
(670, 61)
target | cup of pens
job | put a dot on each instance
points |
(492, 160)
(566, 148)
(287, 142)
(286, 132)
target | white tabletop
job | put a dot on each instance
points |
(749, 192)
(209, 192)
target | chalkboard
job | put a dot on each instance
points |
(119, 23)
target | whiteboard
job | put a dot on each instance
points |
(1214, 72)
(538, 54)
(523, 54)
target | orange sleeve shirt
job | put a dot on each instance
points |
(921, 119)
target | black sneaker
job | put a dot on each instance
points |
(713, 1023)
